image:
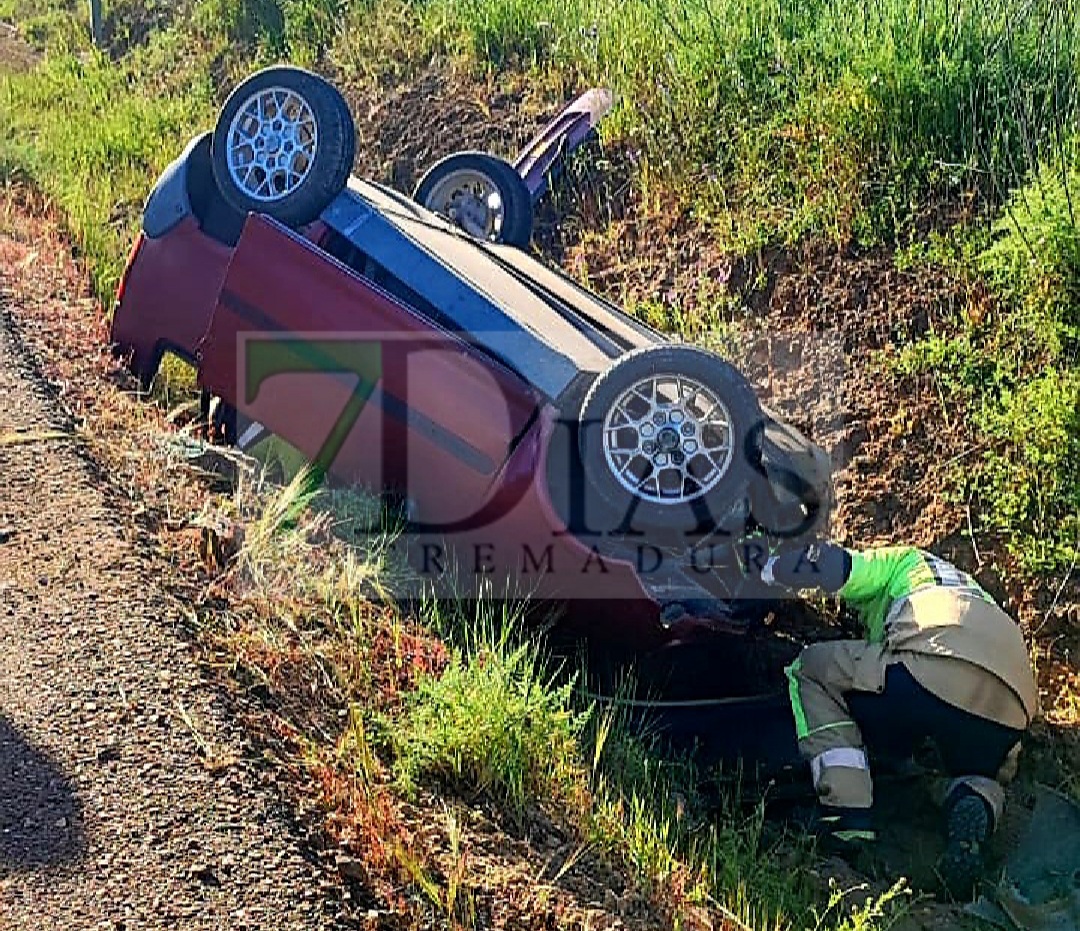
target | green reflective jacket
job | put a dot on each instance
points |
(881, 577)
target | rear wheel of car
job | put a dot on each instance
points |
(283, 145)
(482, 194)
(669, 436)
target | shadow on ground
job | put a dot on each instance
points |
(40, 817)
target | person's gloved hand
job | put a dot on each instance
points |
(815, 564)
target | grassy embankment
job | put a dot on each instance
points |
(772, 125)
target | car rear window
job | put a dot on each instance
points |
(346, 253)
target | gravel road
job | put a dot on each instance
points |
(110, 816)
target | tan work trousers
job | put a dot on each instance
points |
(831, 740)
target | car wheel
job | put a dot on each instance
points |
(669, 436)
(785, 504)
(283, 145)
(482, 194)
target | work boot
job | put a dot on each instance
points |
(969, 824)
(841, 831)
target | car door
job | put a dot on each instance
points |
(371, 388)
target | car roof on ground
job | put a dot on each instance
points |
(543, 324)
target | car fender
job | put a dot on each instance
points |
(168, 202)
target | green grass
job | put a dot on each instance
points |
(1013, 367)
(501, 721)
(495, 721)
(47, 133)
(78, 130)
(648, 808)
(807, 117)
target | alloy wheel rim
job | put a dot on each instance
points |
(668, 439)
(271, 144)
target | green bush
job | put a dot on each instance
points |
(494, 721)
(1016, 369)
(1034, 264)
(1029, 483)
(300, 30)
(310, 28)
(59, 25)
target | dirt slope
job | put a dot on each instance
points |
(126, 799)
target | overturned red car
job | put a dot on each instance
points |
(541, 441)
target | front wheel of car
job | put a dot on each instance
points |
(482, 194)
(669, 436)
(283, 145)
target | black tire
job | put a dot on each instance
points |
(785, 505)
(721, 502)
(793, 493)
(327, 170)
(515, 228)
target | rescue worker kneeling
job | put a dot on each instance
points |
(941, 661)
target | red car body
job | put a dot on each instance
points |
(460, 360)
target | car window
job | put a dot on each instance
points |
(346, 253)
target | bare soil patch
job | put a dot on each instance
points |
(15, 54)
(402, 131)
